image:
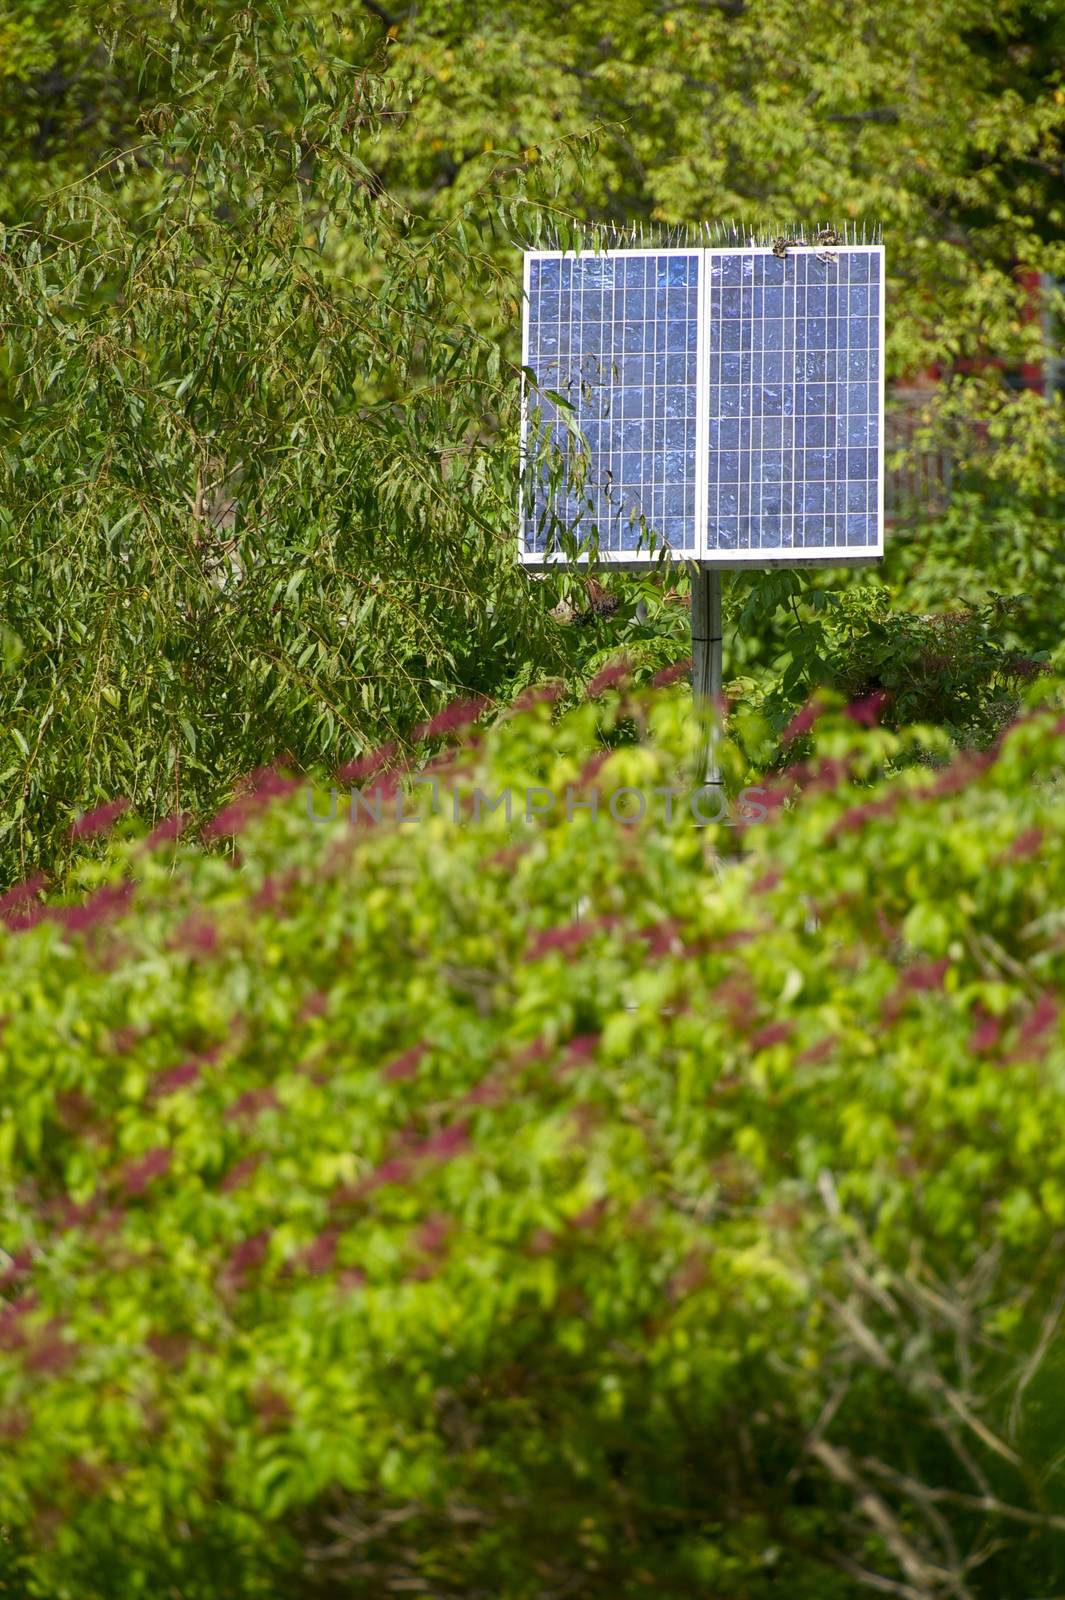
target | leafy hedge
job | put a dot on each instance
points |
(565, 1206)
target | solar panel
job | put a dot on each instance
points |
(725, 404)
(617, 337)
(794, 424)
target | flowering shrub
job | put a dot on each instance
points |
(492, 1207)
(963, 669)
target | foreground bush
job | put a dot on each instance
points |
(563, 1206)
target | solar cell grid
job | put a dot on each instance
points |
(794, 401)
(617, 336)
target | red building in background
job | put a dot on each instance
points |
(925, 481)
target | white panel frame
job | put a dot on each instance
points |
(808, 556)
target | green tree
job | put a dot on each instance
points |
(946, 128)
(462, 127)
(251, 506)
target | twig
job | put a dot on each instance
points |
(972, 1502)
(918, 1570)
(970, 1464)
(1038, 1355)
(821, 1426)
(874, 1580)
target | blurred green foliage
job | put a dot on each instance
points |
(473, 1207)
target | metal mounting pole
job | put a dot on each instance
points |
(706, 663)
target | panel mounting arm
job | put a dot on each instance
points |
(706, 665)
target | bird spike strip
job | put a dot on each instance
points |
(575, 236)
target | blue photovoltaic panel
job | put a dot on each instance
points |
(617, 334)
(795, 416)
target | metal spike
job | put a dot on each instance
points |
(574, 235)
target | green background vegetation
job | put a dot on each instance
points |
(260, 330)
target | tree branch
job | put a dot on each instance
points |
(921, 1572)
(875, 114)
(380, 13)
